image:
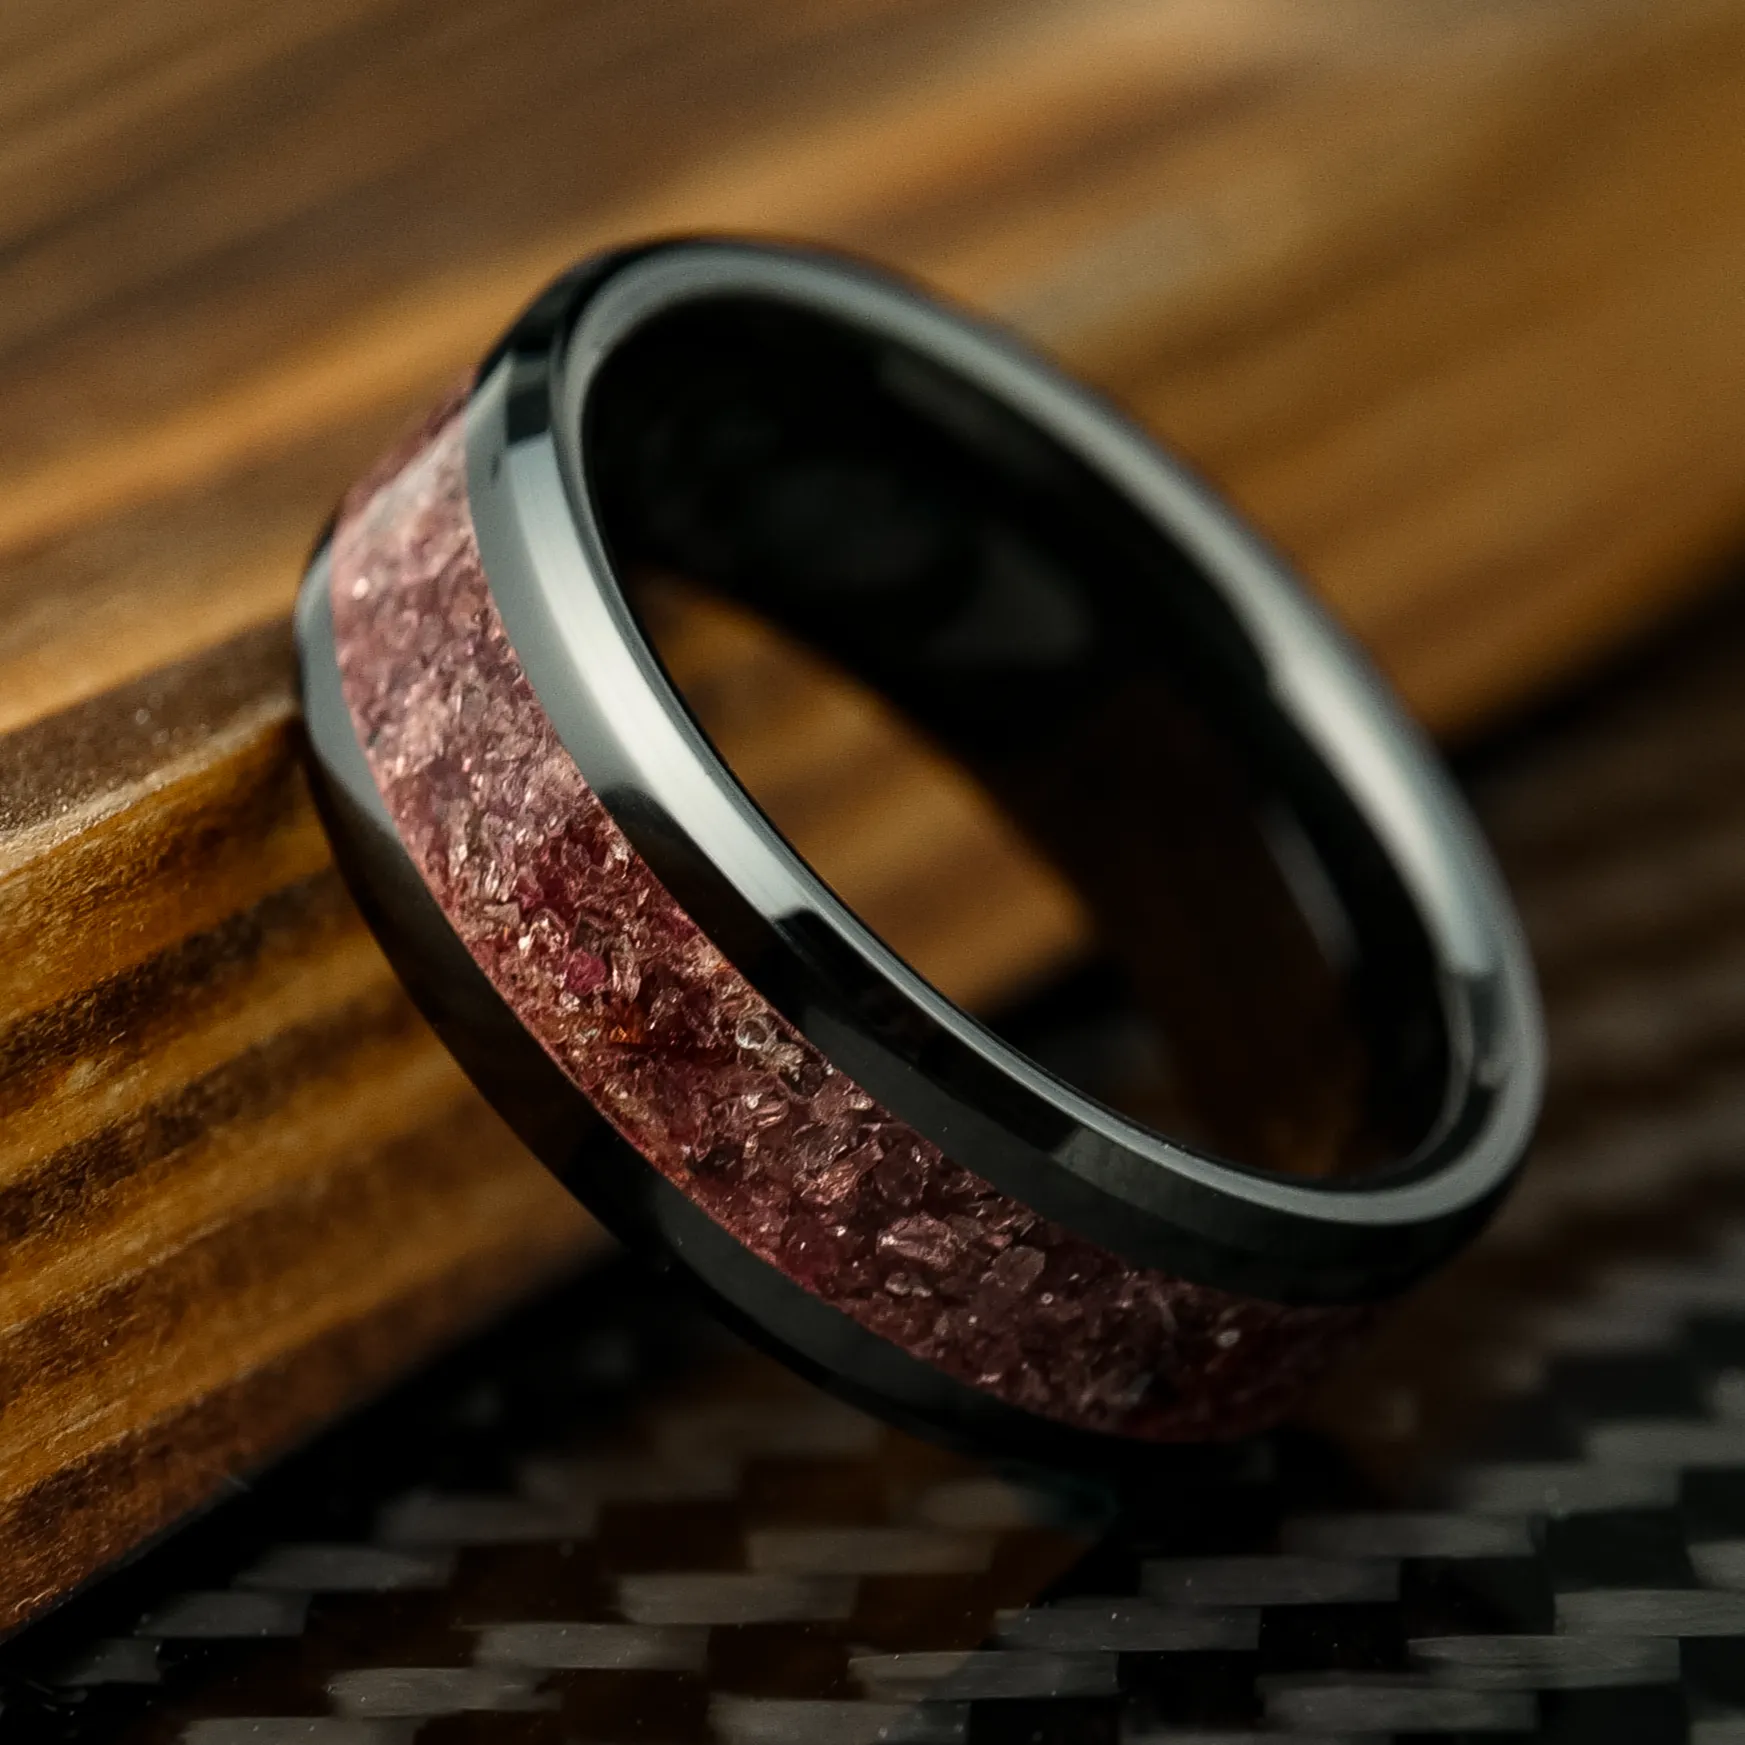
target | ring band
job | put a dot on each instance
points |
(597, 917)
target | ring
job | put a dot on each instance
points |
(1146, 1200)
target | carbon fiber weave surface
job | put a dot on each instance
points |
(1521, 1516)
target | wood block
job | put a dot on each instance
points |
(1445, 297)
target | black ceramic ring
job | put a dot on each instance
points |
(950, 1216)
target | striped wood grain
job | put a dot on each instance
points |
(1446, 297)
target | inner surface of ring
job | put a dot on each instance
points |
(1239, 966)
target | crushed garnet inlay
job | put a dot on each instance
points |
(695, 1068)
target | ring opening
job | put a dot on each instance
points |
(1018, 730)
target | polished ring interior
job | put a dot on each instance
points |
(1026, 576)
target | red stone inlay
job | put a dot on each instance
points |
(698, 1071)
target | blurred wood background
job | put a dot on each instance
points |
(1448, 297)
